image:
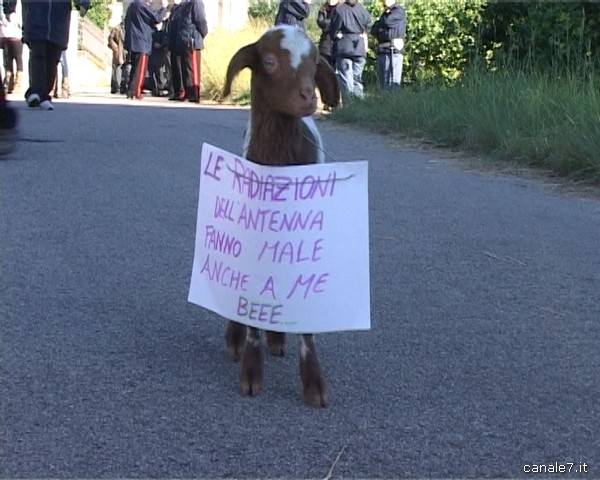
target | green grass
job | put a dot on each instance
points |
(532, 119)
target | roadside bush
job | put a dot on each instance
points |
(263, 10)
(100, 12)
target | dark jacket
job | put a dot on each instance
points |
(292, 12)
(391, 25)
(187, 26)
(48, 20)
(324, 22)
(348, 24)
(140, 23)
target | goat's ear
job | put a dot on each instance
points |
(327, 83)
(245, 57)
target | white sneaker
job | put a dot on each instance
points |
(33, 100)
(47, 105)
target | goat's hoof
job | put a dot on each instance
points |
(251, 376)
(276, 343)
(235, 338)
(315, 393)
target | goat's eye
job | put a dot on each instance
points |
(270, 64)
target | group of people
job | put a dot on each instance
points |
(165, 43)
(345, 26)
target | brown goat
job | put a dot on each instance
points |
(286, 69)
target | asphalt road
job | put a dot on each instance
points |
(483, 355)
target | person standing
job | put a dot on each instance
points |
(349, 26)
(46, 33)
(293, 12)
(65, 85)
(187, 29)
(324, 22)
(390, 32)
(116, 40)
(159, 64)
(140, 22)
(11, 17)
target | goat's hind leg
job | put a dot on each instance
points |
(251, 376)
(313, 383)
(276, 343)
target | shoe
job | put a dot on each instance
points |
(193, 100)
(33, 100)
(46, 105)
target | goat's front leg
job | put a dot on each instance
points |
(276, 343)
(251, 376)
(313, 384)
(235, 338)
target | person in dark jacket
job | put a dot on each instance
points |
(324, 22)
(119, 76)
(46, 33)
(159, 65)
(390, 32)
(350, 24)
(140, 22)
(293, 12)
(187, 29)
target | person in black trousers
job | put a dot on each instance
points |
(46, 33)
(140, 22)
(350, 24)
(390, 32)
(187, 29)
(324, 22)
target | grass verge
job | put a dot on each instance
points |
(530, 119)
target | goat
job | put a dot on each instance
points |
(286, 68)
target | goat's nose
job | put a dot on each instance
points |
(307, 93)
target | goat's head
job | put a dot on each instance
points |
(286, 68)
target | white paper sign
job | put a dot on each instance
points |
(283, 248)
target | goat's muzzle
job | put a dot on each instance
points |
(308, 101)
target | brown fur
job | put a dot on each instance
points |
(281, 96)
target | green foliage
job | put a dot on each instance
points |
(441, 39)
(100, 12)
(264, 10)
(542, 34)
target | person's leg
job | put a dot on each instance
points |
(344, 68)
(381, 70)
(9, 79)
(15, 58)
(114, 81)
(53, 52)
(194, 94)
(176, 76)
(187, 74)
(125, 76)
(140, 75)
(396, 79)
(139, 64)
(358, 65)
(38, 75)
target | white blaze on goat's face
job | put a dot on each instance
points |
(296, 42)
